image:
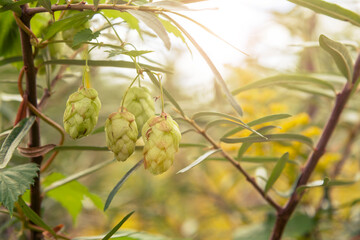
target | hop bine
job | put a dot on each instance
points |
(81, 112)
(162, 136)
(121, 134)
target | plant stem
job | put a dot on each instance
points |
(34, 135)
(127, 90)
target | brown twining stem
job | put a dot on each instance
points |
(236, 164)
(284, 214)
(34, 134)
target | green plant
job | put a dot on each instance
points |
(40, 24)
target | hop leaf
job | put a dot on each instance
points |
(162, 136)
(81, 112)
(121, 134)
(139, 102)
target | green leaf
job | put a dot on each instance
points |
(285, 79)
(14, 182)
(340, 54)
(174, 30)
(189, 145)
(13, 140)
(114, 230)
(326, 182)
(120, 183)
(246, 145)
(199, 160)
(13, 6)
(330, 9)
(271, 138)
(167, 94)
(314, 91)
(260, 159)
(103, 63)
(67, 23)
(169, 5)
(132, 53)
(276, 172)
(34, 217)
(9, 39)
(85, 35)
(46, 4)
(152, 21)
(70, 196)
(262, 120)
(10, 59)
(222, 122)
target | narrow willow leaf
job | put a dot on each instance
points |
(14, 182)
(330, 9)
(187, 145)
(169, 5)
(314, 91)
(120, 183)
(221, 122)
(276, 172)
(246, 145)
(151, 20)
(199, 160)
(46, 4)
(34, 217)
(132, 53)
(98, 130)
(326, 182)
(104, 63)
(255, 159)
(271, 138)
(10, 60)
(340, 54)
(262, 120)
(239, 121)
(67, 23)
(167, 94)
(114, 230)
(213, 68)
(13, 140)
(81, 148)
(36, 151)
(78, 175)
(285, 79)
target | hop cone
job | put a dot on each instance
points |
(139, 102)
(81, 112)
(161, 135)
(121, 134)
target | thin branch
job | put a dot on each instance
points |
(236, 164)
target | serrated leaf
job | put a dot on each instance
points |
(34, 217)
(14, 182)
(340, 54)
(120, 183)
(132, 53)
(114, 230)
(67, 23)
(199, 160)
(276, 172)
(103, 63)
(85, 35)
(262, 120)
(46, 4)
(13, 140)
(36, 151)
(154, 23)
(174, 30)
(271, 138)
(70, 196)
(245, 146)
(330, 9)
(285, 79)
(167, 94)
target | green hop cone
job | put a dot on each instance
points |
(139, 102)
(162, 136)
(81, 112)
(121, 134)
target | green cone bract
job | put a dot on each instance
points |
(162, 136)
(121, 134)
(81, 112)
(139, 102)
